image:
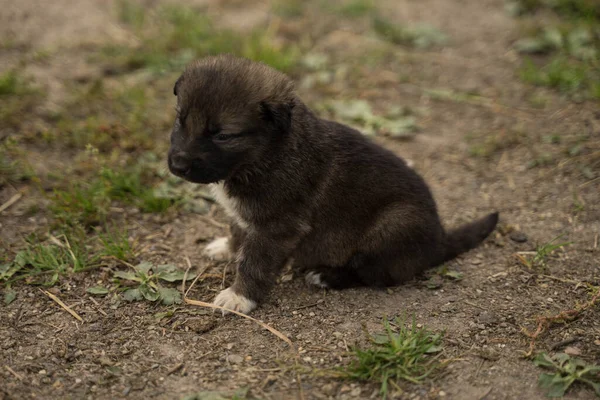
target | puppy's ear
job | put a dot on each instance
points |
(278, 114)
(177, 85)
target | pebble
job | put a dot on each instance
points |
(518, 237)
(234, 358)
(337, 335)
(486, 317)
(573, 351)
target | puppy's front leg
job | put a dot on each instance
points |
(261, 258)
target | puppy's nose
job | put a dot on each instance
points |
(179, 163)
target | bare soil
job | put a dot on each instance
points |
(122, 350)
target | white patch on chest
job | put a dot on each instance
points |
(230, 204)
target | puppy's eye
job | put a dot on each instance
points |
(222, 137)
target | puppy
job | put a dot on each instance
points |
(297, 187)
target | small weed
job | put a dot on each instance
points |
(575, 9)
(11, 84)
(573, 45)
(565, 372)
(131, 13)
(12, 170)
(116, 244)
(129, 186)
(404, 353)
(180, 34)
(420, 36)
(147, 277)
(578, 204)
(88, 203)
(539, 257)
(397, 123)
(493, 143)
(56, 258)
(560, 74)
(289, 8)
(84, 204)
(356, 8)
(18, 96)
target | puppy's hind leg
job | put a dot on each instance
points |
(380, 270)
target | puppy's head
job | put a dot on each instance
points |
(230, 113)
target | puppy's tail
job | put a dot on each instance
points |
(468, 236)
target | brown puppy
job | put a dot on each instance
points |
(346, 210)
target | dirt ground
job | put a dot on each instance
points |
(122, 350)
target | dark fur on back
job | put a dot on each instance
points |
(345, 209)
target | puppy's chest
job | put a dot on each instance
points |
(230, 204)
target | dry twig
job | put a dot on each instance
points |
(10, 202)
(543, 323)
(63, 305)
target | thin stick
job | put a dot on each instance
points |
(63, 305)
(9, 369)
(189, 264)
(212, 222)
(10, 202)
(267, 327)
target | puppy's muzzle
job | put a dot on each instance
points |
(180, 164)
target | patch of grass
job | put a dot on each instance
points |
(18, 96)
(147, 277)
(289, 8)
(11, 84)
(560, 74)
(130, 187)
(131, 13)
(54, 259)
(401, 353)
(540, 256)
(576, 9)
(564, 372)
(115, 243)
(85, 204)
(418, 36)
(88, 203)
(112, 120)
(570, 48)
(356, 8)
(486, 146)
(12, 170)
(397, 123)
(175, 35)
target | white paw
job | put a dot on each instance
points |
(233, 301)
(314, 278)
(218, 249)
(410, 163)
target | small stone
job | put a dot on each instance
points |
(550, 300)
(234, 359)
(328, 389)
(105, 361)
(355, 392)
(337, 335)
(518, 237)
(442, 393)
(486, 317)
(573, 351)
(345, 389)
(42, 372)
